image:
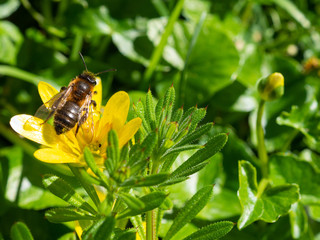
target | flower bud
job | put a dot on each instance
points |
(271, 87)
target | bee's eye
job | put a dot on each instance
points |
(90, 78)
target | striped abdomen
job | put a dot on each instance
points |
(66, 117)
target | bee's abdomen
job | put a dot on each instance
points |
(66, 117)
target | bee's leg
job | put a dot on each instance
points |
(49, 116)
(93, 102)
(82, 120)
(63, 88)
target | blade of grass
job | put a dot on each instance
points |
(23, 75)
(156, 55)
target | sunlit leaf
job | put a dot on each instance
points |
(289, 169)
(266, 204)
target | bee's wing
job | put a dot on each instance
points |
(49, 108)
(86, 121)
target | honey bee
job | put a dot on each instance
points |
(73, 104)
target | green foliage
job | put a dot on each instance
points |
(190, 54)
(262, 202)
(213, 231)
(102, 229)
(20, 231)
(189, 211)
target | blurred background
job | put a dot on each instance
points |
(213, 52)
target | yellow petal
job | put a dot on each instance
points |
(51, 155)
(97, 97)
(33, 128)
(46, 91)
(78, 229)
(128, 131)
(117, 108)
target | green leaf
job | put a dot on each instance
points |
(138, 224)
(159, 109)
(169, 102)
(151, 201)
(177, 115)
(140, 112)
(131, 201)
(142, 181)
(289, 169)
(140, 153)
(20, 231)
(213, 146)
(58, 215)
(212, 231)
(14, 175)
(312, 158)
(189, 211)
(172, 181)
(8, 7)
(212, 62)
(195, 135)
(102, 229)
(197, 116)
(81, 175)
(314, 212)
(298, 220)
(224, 204)
(64, 191)
(191, 170)
(10, 41)
(90, 160)
(166, 205)
(262, 203)
(304, 118)
(113, 151)
(127, 234)
(150, 111)
(181, 149)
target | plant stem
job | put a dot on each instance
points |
(262, 152)
(151, 226)
(23, 75)
(77, 45)
(292, 136)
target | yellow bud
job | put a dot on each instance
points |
(271, 87)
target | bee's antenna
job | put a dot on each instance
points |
(84, 63)
(109, 70)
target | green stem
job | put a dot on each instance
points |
(77, 45)
(156, 55)
(292, 136)
(37, 16)
(262, 152)
(137, 223)
(151, 225)
(23, 75)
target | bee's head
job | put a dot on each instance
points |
(89, 76)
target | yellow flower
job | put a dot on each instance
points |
(68, 147)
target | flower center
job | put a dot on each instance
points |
(95, 148)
